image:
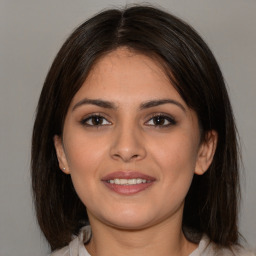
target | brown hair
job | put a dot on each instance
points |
(211, 204)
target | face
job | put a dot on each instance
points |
(130, 143)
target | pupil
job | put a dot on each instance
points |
(97, 120)
(159, 120)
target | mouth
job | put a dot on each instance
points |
(127, 182)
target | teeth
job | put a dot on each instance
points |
(127, 181)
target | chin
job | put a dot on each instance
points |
(130, 224)
(130, 220)
(134, 216)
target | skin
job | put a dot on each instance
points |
(129, 138)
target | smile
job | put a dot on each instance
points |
(127, 181)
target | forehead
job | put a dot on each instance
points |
(124, 72)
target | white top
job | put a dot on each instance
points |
(205, 248)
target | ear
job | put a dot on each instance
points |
(60, 154)
(206, 152)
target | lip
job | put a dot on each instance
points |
(127, 175)
(128, 189)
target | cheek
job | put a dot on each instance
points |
(177, 160)
(84, 157)
(83, 152)
(178, 153)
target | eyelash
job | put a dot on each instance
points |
(171, 121)
(94, 116)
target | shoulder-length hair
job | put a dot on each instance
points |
(211, 203)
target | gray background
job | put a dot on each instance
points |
(31, 32)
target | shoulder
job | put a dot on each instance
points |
(61, 252)
(76, 246)
(207, 248)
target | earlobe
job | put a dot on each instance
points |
(206, 152)
(60, 154)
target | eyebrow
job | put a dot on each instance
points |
(111, 105)
(154, 103)
(96, 102)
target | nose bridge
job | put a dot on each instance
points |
(128, 144)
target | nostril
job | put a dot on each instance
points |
(125, 157)
(127, 150)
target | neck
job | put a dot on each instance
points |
(163, 239)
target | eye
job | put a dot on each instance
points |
(95, 120)
(161, 121)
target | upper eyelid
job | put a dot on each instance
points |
(107, 117)
(160, 114)
(172, 121)
(89, 116)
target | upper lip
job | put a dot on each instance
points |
(127, 175)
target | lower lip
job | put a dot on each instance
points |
(128, 189)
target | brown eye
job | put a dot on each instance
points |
(161, 121)
(95, 120)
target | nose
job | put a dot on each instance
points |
(128, 145)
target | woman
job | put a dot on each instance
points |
(134, 146)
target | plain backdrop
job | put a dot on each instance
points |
(31, 33)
